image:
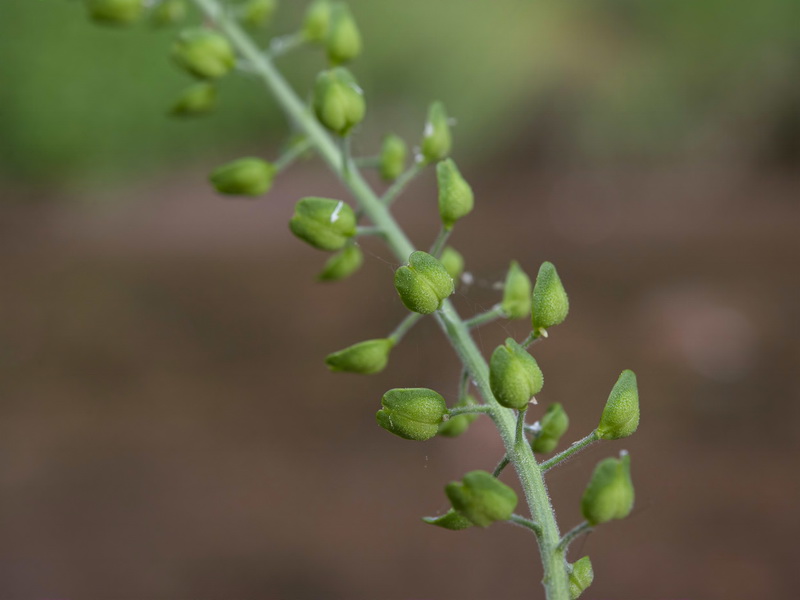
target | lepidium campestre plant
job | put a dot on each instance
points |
(502, 389)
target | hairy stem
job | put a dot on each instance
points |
(528, 471)
(494, 313)
(573, 449)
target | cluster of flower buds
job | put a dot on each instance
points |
(338, 100)
(423, 284)
(323, 223)
(332, 25)
(203, 53)
(412, 413)
(514, 375)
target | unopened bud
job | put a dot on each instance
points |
(370, 356)
(609, 494)
(550, 302)
(115, 12)
(393, 157)
(412, 413)
(203, 53)
(199, 99)
(324, 223)
(423, 284)
(338, 101)
(168, 12)
(453, 262)
(455, 426)
(449, 520)
(514, 375)
(554, 424)
(244, 177)
(257, 13)
(317, 20)
(436, 138)
(455, 195)
(343, 42)
(620, 416)
(482, 498)
(516, 293)
(343, 264)
(581, 577)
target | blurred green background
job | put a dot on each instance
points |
(167, 426)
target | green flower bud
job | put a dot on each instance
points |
(168, 12)
(554, 424)
(393, 157)
(244, 177)
(482, 498)
(455, 195)
(609, 494)
(516, 293)
(198, 99)
(449, 520)
(455, 426)
(412, 413)
(343, 264)
(550, 302)
(115, 12)
(453, 262)
(325, 224)
(343, 42)
(338, 101)
(423, 284)
(203, 53)
(514, 375)
(581, 577)
(436, 138)
(620, 416)
(366, 357)
(257, 13)
(317, 20)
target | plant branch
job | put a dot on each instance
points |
(481, 409)
(400, 183)
(494, 313)
(291, 154)
(501, 465)
(526, 523)
(572, 535)
(405, 325)
(439, 242)
(573, 449)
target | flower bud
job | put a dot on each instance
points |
(455, 426)
(365, 358)
(453, 262)
(343, 42)
(550, 302)
(609, 494)
(412, 413)
(516, 293)
(449, 520)
(257, 13)
(324, 223)
(338, 101)
(198, 99)
(436, 139)
(482, 498)
(115, 12)
(168, 12)
(203, 53)
(620, 416)
(580, 577)
(554, 424)
(343, 264)
(514, 375)
(393, 157)
(317, 20)
(455, 195)
(423, 284)
(244, 177)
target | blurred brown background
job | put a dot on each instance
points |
(167, 426)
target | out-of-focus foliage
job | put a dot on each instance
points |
(612, 78)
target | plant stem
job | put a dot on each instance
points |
(368, 230)
(571, 535)
(400, 183)
(470, 410)
(530, 475)
(526, 523)
(494, 313)
(285, 44)
(291, 154)
(501, 465)
(403, 327)
(438, 244)
(573, 449)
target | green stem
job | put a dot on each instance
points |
(286, 43)
(533, 337)
(571, 535)
(573, 449)
(291, 154)
(439, 242)
(400, 183)
(501, 465)
(368, 230)
(526, 523)
(463, 385)
(404, 327)
(528, 471)
(480, 409)
(494, 313)
(367, 162)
